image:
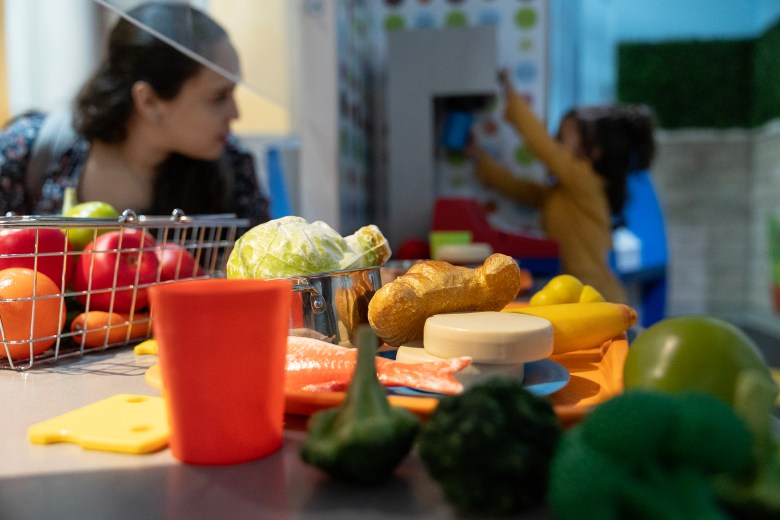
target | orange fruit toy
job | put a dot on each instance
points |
(21, 290)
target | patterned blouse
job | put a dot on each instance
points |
(16, 143)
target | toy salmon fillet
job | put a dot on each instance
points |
(315, 365)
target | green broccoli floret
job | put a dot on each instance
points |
(756, 493)
(364, 439)
(648, 455)
(489, 448)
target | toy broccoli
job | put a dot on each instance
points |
(707, 354)
(489, 448)
(365, 438)
(648, 455)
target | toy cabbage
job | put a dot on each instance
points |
(291, 246)
(369, 247)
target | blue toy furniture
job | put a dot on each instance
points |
(644, 219)
(280, 202)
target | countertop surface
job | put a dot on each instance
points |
(64, 481)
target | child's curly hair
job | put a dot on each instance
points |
(618, 139)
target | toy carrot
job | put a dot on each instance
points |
(99, 328)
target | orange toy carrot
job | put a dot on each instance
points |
(98, 328)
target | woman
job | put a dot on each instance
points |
(595, 149)
(152, 128)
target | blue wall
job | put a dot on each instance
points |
(647, 20)
(585, 33)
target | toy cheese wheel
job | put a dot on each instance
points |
(489, 337)
(474, 253)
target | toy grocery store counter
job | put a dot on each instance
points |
(64, 480)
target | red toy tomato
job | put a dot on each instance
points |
(135, 270)
(50, 240)
(176, 263)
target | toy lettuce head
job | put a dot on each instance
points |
(291, 246)
(368, 247)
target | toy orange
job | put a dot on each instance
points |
(32, 312)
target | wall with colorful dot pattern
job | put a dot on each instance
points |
(354, 54)
(522, 44)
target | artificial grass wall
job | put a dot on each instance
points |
(704, 83)
(766, 76)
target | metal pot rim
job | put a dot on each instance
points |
(329, 274)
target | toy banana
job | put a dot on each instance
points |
(590, 294)
(565, 288)
(579, 326)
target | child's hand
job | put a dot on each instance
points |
(506, 83)
(510, 96)
(472, 149)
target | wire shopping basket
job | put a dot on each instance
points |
(57, 300)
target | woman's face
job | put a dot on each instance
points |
(197, 121)
(569, 136)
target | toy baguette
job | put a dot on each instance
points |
(398, 310)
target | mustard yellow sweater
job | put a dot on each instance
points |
(574, 209)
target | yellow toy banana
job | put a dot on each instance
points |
(579, 326)
(565, 288)
(590, 294)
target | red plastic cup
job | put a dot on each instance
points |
(222, 346)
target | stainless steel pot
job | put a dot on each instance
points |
(332, 305)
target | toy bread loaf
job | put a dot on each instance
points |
(398, 310)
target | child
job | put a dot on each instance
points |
(595, 149)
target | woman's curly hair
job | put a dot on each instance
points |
(104, 104)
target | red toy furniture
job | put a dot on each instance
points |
(538, 255)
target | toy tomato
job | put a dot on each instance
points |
(23, 242)
(176, 263)
(123, 260)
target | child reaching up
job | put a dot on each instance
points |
(595, 149)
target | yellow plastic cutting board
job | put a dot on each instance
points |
(148, 347)
(123, 423)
